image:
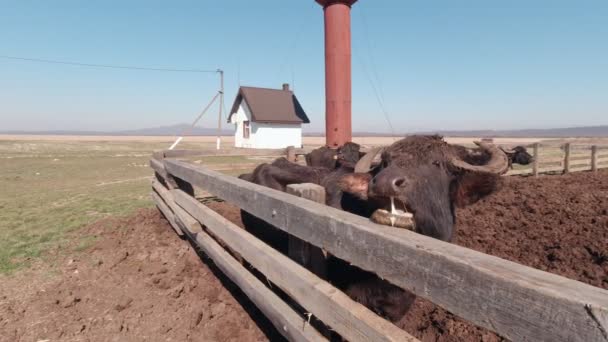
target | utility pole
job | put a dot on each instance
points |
(219, 119)
(219, 94)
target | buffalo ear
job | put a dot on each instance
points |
(470, 187)
(355, 184)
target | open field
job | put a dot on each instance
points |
(51, 188)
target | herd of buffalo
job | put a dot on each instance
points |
(421, 176)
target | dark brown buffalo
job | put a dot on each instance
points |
(332, 158)
(424, 176)
(429, 178)
(518, 155)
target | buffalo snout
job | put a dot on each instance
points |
(390, 182)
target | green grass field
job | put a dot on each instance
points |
(49, 189)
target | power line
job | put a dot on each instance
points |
(370, 53)
(49, 61)
(377, 95)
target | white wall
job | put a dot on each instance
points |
(264, 135)
(243, 114)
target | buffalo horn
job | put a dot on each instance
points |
(364, 165)
(498, 163)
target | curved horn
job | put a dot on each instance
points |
(364, 165)
(498, 163)
(507, 150)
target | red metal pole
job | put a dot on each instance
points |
(338, 101)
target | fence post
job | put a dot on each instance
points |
(535, 162)
(567, 158)
(594, 158)
(307, 255)
(291, 154)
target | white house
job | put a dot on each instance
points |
(267, 118)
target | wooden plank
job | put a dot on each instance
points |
(181, 217)
(551, 169)
(159, 168)
(567, 158)
(302, 252)
(581, 168)
(535, 163)
(230, 152)
(575, 163)
(517, 302)
(287, 322)
(551, 160)
(519, 172)
(164, 209)
(594, 158)
(578, 158)
(172, 182)
(350, 319)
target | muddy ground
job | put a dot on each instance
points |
(141, 282)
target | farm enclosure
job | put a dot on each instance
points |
(486, 297)
(512, 218)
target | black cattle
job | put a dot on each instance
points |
(518, 155)
(422, 175)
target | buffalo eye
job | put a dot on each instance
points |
(436, 163)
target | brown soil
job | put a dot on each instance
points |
(141, 282)
(558, 224)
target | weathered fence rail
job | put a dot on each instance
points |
(574, 159)
(517, 302)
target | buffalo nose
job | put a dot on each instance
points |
(388, 184)
(398, 182)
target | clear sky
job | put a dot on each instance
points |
(437, 65)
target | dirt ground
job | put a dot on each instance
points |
(558, 224)
(139, 281)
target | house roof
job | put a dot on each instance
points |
(270, 105)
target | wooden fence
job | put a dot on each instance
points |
(517, 302)
(564, 159)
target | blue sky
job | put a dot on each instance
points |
(437, 65)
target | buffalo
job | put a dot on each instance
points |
(518, 155)
(415, 183)
(420, 175)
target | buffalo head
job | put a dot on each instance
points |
(519, 155)
(329, 158)
(426, 178)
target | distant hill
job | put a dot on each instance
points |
(573, 132)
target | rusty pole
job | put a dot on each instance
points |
(338, 102)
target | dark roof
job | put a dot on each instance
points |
(270, 105)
